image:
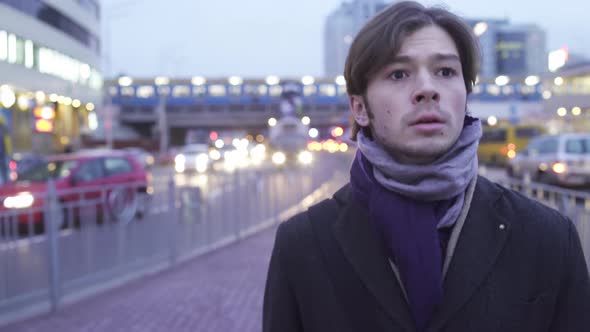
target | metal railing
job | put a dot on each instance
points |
(67, 250)
(572, 203)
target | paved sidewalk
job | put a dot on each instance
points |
(219, 292)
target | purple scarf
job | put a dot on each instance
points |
(408, 220)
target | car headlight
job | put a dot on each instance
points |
(20, 201)
(279, 158)
(215, 154)
(201, 162)
(305, 157)
(179, 159)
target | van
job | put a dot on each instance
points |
(562, 160)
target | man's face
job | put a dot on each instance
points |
(416, 104)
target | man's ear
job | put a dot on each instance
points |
(359, 110)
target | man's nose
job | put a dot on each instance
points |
(425, 91)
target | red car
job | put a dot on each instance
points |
(105, 180)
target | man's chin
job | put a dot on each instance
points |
(424, 154)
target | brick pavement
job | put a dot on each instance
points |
(220, 291)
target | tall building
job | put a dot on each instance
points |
(507, 49)
(340, 28)
(511, 50)
(50, 81)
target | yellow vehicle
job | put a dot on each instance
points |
(500, 143)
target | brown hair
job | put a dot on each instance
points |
(381, 38)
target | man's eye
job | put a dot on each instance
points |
(398, 75)
(447, 72)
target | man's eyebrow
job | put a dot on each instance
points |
(435, 57)
(443, 57)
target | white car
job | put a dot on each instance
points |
(192, 158)
(562, 159)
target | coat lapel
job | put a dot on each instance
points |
(363, 250)
(481, 240)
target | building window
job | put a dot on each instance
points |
(217, 90)
(164, 90)
(20, 51)
(309, 90)
(328, 90)
(11, 48)
(276, 90)
(235, 90)
(180, 91)
(127, 91)
(493, 89)
(54, 18)
(3, 46)
(199, 90)
(145, 91)
(29, 54)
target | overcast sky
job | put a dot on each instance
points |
(255, 38)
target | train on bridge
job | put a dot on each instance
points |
(232, 102)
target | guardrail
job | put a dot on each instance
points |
(63, 251)
(571, 203)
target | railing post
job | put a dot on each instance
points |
(236, 220)
(172, 221)
(53, 216)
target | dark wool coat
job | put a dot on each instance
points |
(518, 267)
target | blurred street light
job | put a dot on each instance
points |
(40, 97)
(7, 96)
(492, 120)
(546, 94)
(532, 80)
(502, 80)
(161, 80)
(313, 133)
(125, 81)
(23, 102)
(235, 80)
(198, 80)
(307, 80)
(576, 111)
(272, 80)
(480, 28)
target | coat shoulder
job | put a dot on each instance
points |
(298, 229)
(526, 213)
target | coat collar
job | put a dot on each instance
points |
(481, 240)
(365, 252)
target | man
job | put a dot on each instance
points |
(417, 241)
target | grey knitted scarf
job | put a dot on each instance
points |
(446, 178)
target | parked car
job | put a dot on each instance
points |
(22, 162)
(562, 159)
(110, 181)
